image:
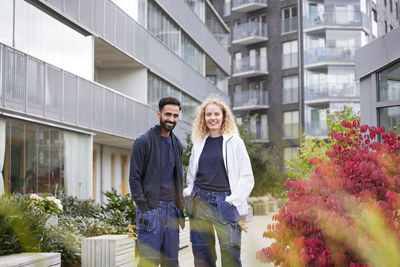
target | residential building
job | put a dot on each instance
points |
(378, 69)
(293, 62)
(80, 80)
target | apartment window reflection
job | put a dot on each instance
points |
(291, 124)
(389, 83)
(289, 54)
(290, 89)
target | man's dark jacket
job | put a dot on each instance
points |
(146, 171)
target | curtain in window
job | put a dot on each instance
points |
(2, 152)
(77, 164)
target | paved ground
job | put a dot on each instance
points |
(252, 241)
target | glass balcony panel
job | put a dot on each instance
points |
(250, 98)
(332, 90)
(317, 128)
(248, 5)
(248, 64)
(289, 60)
(335, 54)
(291, 130)
(253, 29)
(337, 18)
(289, 25)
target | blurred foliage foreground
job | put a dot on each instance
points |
(344, 202)
(24, 223)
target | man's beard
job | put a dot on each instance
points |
(165, 126)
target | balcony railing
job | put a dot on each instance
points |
(317, 128)
(250, 66)
(337, 18)
(289, 25)
(250, 33)
(32, 87)
(329, 54)
(260, 132)
(248, 5)
(323, 91)
(253, 99)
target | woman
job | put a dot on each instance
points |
(219, 182)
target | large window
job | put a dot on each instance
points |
(290, 89)
(389, 84)
(389, 117)
(291, 124)
(46, 160)
(289, 19)
(192, 54)
(289, 54)
(158, 88)
(163, 27)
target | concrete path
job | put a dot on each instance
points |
(252, 241)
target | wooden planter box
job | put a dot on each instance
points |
(108, 251)
(30, 259)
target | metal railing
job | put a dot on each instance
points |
(246, 64)
(337, 18)
(289, 25)
(332, 54)
(250, 98)
(250, 29)
(332, 90)
(239, 3)
(35, 88)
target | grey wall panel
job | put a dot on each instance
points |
(71, 8)
(57, 4)
(119, 114)
(109, 111)
(70, 97)
(109, 21)
(120, 28)
(84, 100)
(35, 85)
(129, 117)
(367, 101)
(98, 17)
(53, 92)
(86, 13)
(129, 35)
(97, 107)
(196, 29)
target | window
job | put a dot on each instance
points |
(237, 62)
(389, 84)
(289, 54)
(290, 89)
(374, 15)
(389, 117)
(259, 126)
(291, 124)
(391, 5)
(227, 8)
(289, 20)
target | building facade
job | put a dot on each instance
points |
(80, 80)
(293, 62)
(378, 69)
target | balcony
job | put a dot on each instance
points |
(33, 88)
(250, 33)
(289, 25)
(248, 5)
(250, 100)
(320, 56)
(317, 129)
(336, 19)
(331, 92)
(250, 66)
(260, 132)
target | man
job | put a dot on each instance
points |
(156, 185)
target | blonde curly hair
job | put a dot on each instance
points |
(199, 128)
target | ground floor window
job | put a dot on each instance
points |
(390, 118)
(45, 160)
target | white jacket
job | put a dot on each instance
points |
(237, 166)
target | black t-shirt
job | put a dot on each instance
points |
(211, 173)
(167, 185)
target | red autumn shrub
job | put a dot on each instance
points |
(351, 202)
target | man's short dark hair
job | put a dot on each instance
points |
(168, 100)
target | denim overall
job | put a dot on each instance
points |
(208, 210)
(158, 235)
